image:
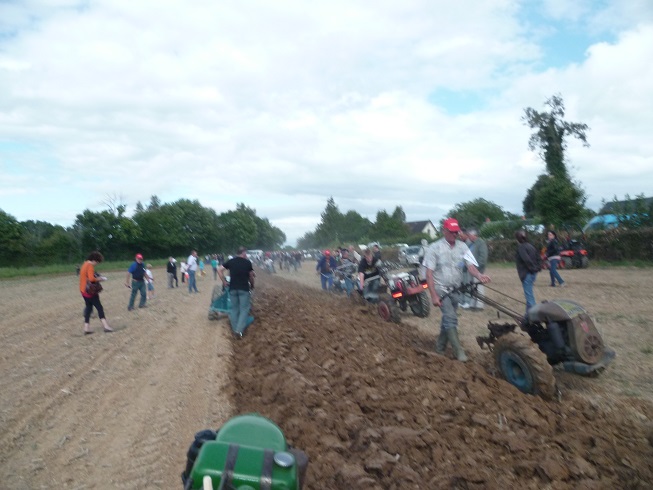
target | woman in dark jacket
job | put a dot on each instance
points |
(528, 266)
(553, 256)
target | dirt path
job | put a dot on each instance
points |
(105, 410)
(368, 401)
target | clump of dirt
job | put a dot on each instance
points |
(374, 408)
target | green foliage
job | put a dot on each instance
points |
(473, 214)
(634, 213)
(506, 228)
(560, 201)
(551, 132)
(553, 196)
(160, 230)
(13, 240)
(390, 228)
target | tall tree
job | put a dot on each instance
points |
(550, 139)
(551, 133)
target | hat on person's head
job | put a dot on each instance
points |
(139, 256)
(451, 224)
(327, 252)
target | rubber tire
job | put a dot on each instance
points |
(567, 263)
(584, 262)
(387, 309)
(524, 365)
(421, 307)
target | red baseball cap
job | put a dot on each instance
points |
(450, 224)
(327, 252)
(139, 256)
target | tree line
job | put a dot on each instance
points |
(157, 230)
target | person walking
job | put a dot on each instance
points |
(171, 269)
(478, 247)
(90, 293)
(528, 265)
(553, 256)
(444, 261)
(325, 267)
(192, 265)
(149, 278)
(183, 269)
(241, 283)
(137, 272)
(214, 266)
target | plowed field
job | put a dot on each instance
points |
(368, 401)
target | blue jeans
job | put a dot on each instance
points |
(349, 285)
(136, 287)
(448, 307)
(527, 284)
(192, 285)
(553, 272)
(240, 302)
(327, 280)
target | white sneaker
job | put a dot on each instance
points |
(465, 306)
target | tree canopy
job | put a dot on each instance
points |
(554, 197)
(157, 230)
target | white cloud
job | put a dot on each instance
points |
(281, 105)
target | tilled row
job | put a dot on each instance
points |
(374, 409)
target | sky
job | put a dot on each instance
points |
(281, 105)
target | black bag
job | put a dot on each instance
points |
(93, 288)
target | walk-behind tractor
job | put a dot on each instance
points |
(399, 292)
(377, 294)
(559, 333)
(408, 290)
(248, 452)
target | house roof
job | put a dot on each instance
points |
(418, 226)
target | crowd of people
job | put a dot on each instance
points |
(459, 257)
(140, 281)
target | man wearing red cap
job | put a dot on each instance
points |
(444, 261)
(137, 272)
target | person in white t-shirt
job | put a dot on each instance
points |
(192, 271)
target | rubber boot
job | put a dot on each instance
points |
(441, 343)
(452, 335)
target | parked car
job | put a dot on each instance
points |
(409, 255)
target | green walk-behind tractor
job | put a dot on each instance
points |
(559, 333)
(249, 452)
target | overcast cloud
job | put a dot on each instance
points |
(281, 105)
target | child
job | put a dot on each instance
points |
(150, 282)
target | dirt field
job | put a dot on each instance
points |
(366, 400)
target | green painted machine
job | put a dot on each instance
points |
(249, 452)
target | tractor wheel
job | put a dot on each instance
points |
(567, 263)
(421, 305)
(387, 309)
(524, 365)
(584, 262)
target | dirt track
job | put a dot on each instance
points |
(367, 401)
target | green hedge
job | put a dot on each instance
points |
(609, 246)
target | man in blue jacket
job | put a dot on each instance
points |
(137, 272)
(325, 267)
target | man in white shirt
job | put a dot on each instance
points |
(444, 261)
(192, 264)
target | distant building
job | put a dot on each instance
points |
(425, 227)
